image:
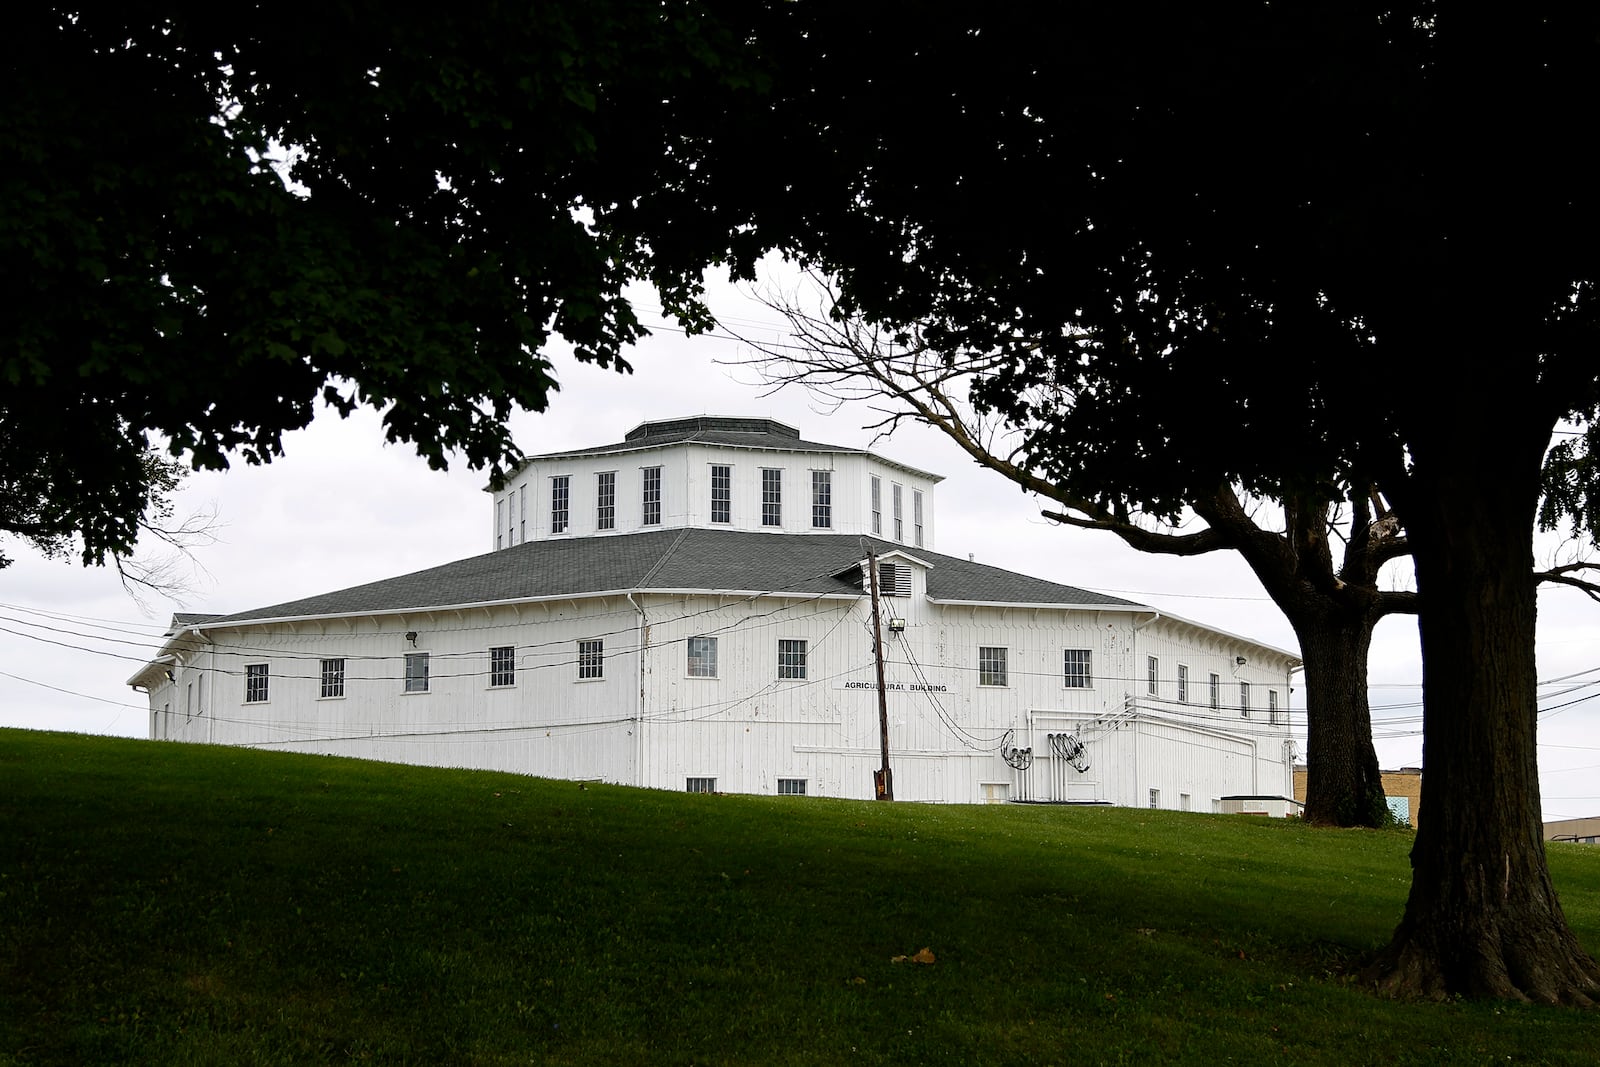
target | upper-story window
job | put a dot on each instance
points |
(916, 516)
(523, 520)
(1077, 672)
(898, 494)
(721, 493)
(560, 503)
(1152, 668)
(1183, 684)
(652, 496)
(499, 524)
(822, 499)
(771, 497)
(1216, 691)
(877, 505)
(1244, 699)
(605, 511)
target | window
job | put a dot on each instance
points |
(416, 672)
(700, 785)
(1216, 691)
(771, 497)
(702, 657)
(332, 678)
(1183, 684)
(255, 683)
(188, 703)
(1077, 672)
(499, 528)
(1155, 798)
(560, 503)
(503, 665)
(898, 495)
(1244, 699)
(1272, 708)
(877, 505)
(791, 659)
(1185, 802)
(916, 515)
(991, 666)
(1152, 667)
(511, 518)
(652, 496)
(791, 787)
(822, 499)
(721, 494)
(591, 659)
(523, 492)
(605, 512)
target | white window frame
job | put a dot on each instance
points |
(699, 785)
(416, 672)
(523, 520)
(822, 500)
(791, 787)
(332, 671)
(502, 666)
(992, 666)
(257, 683)
(701, 657)
(1216, 691)
(916, 516)
(1152, 667)
(1272, 708)
(793, 654)
(560, 503)
(1244, 700)
(772, 496)
(605, 506)
(650, 496)
(1077, 668)
(499, 524)
(591, 659)
(897, 496)
(877, 506)
(721, 493)
(1183, 683)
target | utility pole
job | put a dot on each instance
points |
(882, 782)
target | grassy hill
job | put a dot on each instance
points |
(171, 904)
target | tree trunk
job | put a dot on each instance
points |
(1482, 919)
(1343, 784)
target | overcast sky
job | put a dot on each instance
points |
(342, 508)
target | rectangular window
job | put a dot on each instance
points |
(771, 497)
(897, 494)
(916, 516)
(503, 665)
(511, 518)
(560, 503)
(592, 659)
(877, 505)
(791, 787)
(1272, 708)
(1183, 684)
(721, 493)
(1216, 691)
(991, 666)
(1155, 798)
(499, 528)
(652, 496)
(1185, 802)
(333, 678)
(605, 512)
(791, 659)
(255, 683)
(702, 657)
(1152, 667)
(416, 672)
(1244, 699)
(700, 785)
(822, 499)
(523, 521)
(1077, 668)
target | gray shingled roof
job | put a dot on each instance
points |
(721, 430)
(690, 559)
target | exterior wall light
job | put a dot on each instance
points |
(897, 626)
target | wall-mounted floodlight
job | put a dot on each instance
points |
(411, 635)
(897, 626)
(1239, 661)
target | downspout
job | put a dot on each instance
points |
(642, 635)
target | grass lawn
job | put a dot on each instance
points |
(172, 904)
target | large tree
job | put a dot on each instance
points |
(1355, 244)
(1331, 598)
(219, 217)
